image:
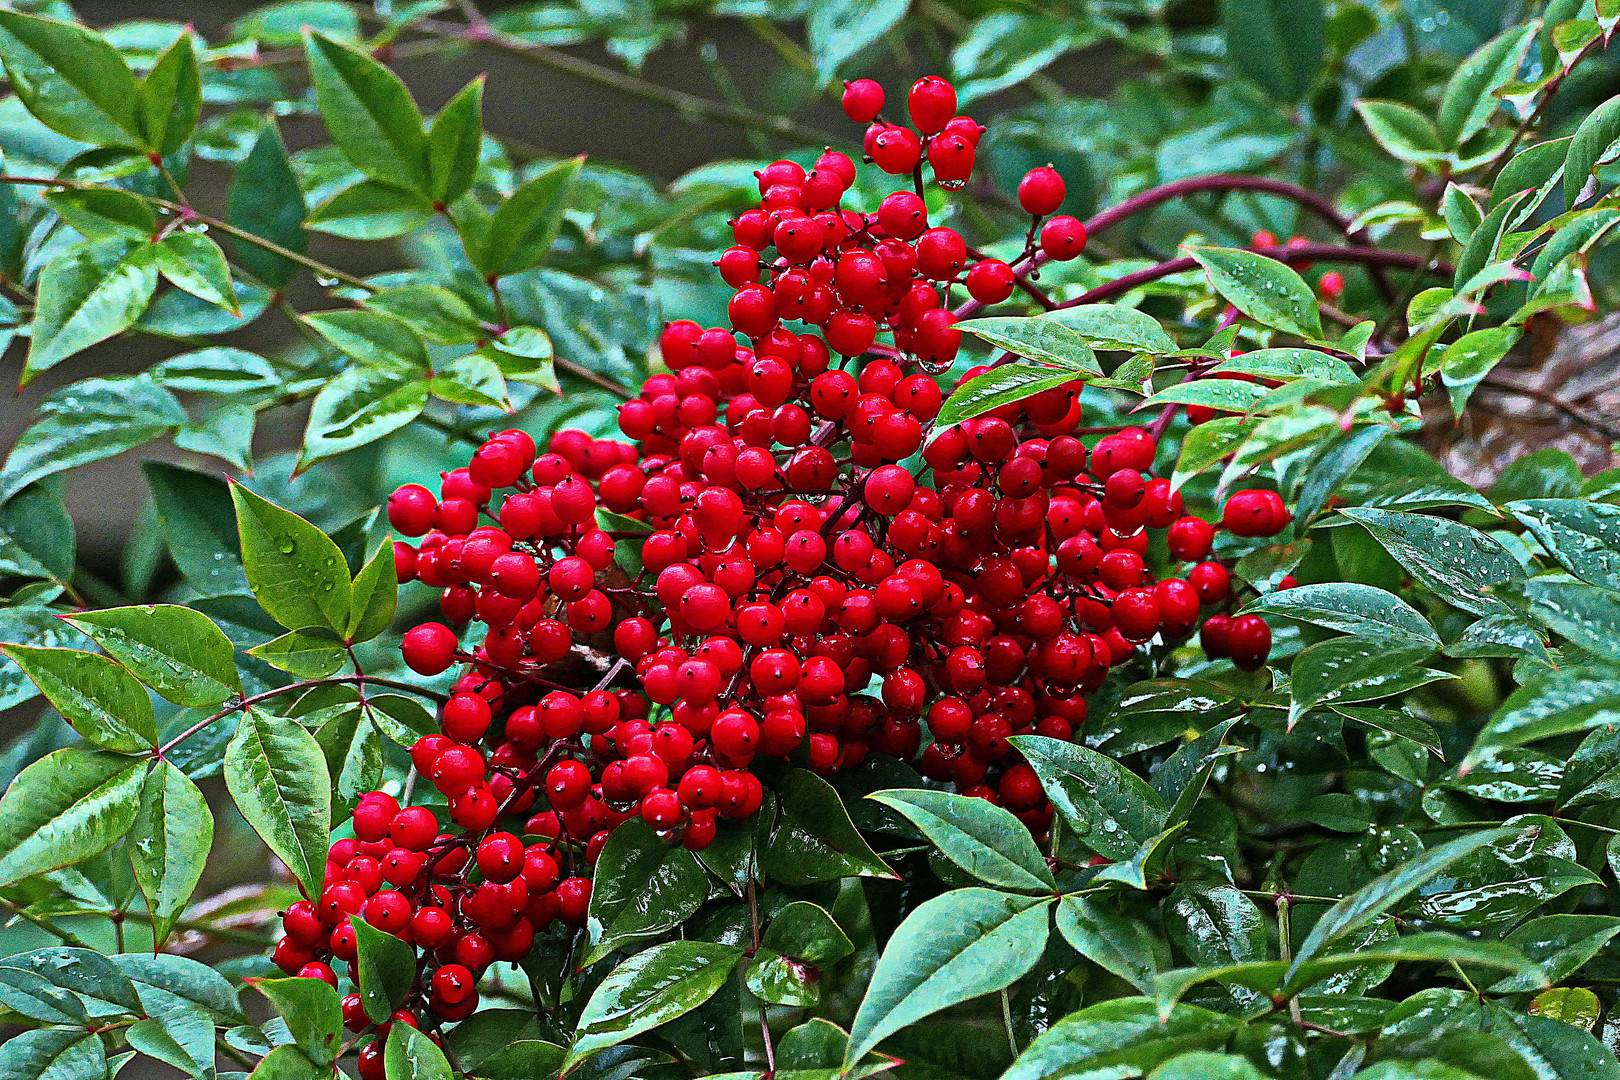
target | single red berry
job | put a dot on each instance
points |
(863, 100)
(1063, 238)
(1041, 191)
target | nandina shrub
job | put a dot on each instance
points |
(949, 635)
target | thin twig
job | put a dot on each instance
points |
(67, 937)
(291, 688)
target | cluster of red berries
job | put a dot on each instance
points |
(802, 596)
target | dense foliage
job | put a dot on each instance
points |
(988, 610)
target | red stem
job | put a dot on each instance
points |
(1146, 200)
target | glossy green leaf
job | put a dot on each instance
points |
(411, 1055)
(1403, 132)
(87, 294)
(1263, 289)
(1111, 809)
(999, 386)
(169, 843)
(99, 697)
(312, 1011)
(1215, 925)
(812, 838)
(296, 572)
(49, 1053)
(1470, 96)
(278, 777)
(176, 651)
(645, 887)
(980, 837)
(434, 312)
(1561, 944)
(1466, 361)
(1585, 614)
(30, 994)
(1201, 1065)
(71, 79)
(1462, 565)
(1119, 1037)
(1330, 466)
(387, 969)
(1119, 944)
(359, 407)
(369, 112)
(840, 29)
(1185, 773)
(1380, 895)
(1357, 668)
(171, 96)
(523, 227)
(168, 983)
(952, 948)
(371, 210)
(1592, 140)
(88, 421)
(1554, 703)
(104, 213)
(64, 808)
(1043, 340)
(650, 988)
(1207, 444)
(375, 595)
(1110, 326)
(1584, 536)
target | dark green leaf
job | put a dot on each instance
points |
(92, 976)
(1555, 703)
(1111, 809)
(1560, 944)
(387, 969)
(1126, 1033)
(49, 1053)
(812, 838)
(266, 200)
(1596, 134)
(199, 527)
(524, 226)
(1043, 340)
(1585, 614)
(649, 989)
(30, 994)
(375, 596)
(999, 386)
(1215, 925)
(955, 947)
(1460, 564)
(103, 213)
(196, 264)
(371, 210)
(645, 887)
(453, 144)
(1584, 536)
(360, 406)
(1118, 944)
(171, 96)
(1280, 44)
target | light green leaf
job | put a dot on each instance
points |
(171, 96)
(1043, 340)
(1460, 564)
(277, 774)
(1349, 607)
(103, 213)
(387, 969)
(196, 264)
(97, 696)
(1263, 289)
(169, 843)
(71, 79)
(64, 808)
(1121, 945)
(980, 837)
(309, 654)
(295, 571)
(454, 142)
(1470, 96)
(86, 295)
(1588, 148)
(839, 29)
(1406, 134)
(176, 651)
(649, 989)
(369, 112)
(1584, 536)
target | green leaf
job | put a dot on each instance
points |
(812, 838)
(1588, 148)
(359, 407)
(36, 997)
(1561, 944)
(288, 1063)
(839, 29)
(1226, 395)
(1215, 925)
(71, 79)
(310, 654)
(88, 421)
(86, 295)
(371, 210)
(90, 975)
(1378, 896)
(1288, 364)
(1120, 945)
(645, 887)
(296, 572)
(649, 989)
(217, 370)
(1280, 44)
(1207, 444)
(1573, 1005)
(369, 113)
(97, 696)
(1536, 168)
(1583, 536)
(402, 719)
(171, 96)
(1482, 249)
(1356, 668)
(353, 750)
(1470, 96)
(1330, 466)
(278, 776)
(1585, 614)
(436, 313)
(1403, 132)
(1558, 702)
(980, 837)
(806, 931)
(176, 651)
(411, 1055)
(387, 969)
(169, 983)
(375, 595)
(1043, 340)
(1462, 565)
(152, 1038)
(954, 947)
(1005, 48)
(266, 200)
(523, 227)
(37, 536)
(1148, 866)
(64, 808)
(1263, 289)
(1462, 214)
(313, 1014)
(196, 264)
(1111, 809)
(50, 1053)
(199, 527)
(374, 339)
(997, 387)
(1201, 1065)
(1466, 361)
(102, 213)
(169, 843)
(1120, 1037)
(1186, 772)
(454, 142)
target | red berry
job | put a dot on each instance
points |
(1041, 191)
(932, 103)
(429, 649)
(863, 100)
(1063, 238)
